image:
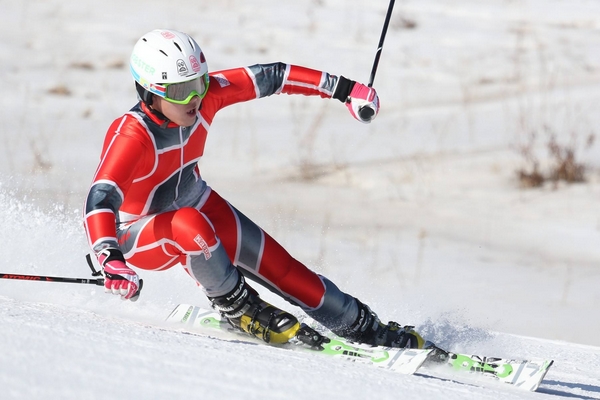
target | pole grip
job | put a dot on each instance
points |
(365, 113)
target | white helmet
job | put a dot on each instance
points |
(162, 58)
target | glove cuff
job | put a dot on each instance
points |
(110, 254)
(343, 89)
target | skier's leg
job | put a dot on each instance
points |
(264, 260)
(186, 236)
(183, 236)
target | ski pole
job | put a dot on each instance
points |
(42, 278)
(367, 112)
(381, 40)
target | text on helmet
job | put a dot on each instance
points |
(142, 64)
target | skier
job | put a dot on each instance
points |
(149, 208)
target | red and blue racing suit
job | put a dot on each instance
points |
(149, 200)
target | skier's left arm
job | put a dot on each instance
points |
(263, 80)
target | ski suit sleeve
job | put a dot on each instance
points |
(123, 158)
(262, 80)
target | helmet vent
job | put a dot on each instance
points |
(164, 53)
(176, 45)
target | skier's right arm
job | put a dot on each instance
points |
(120, 161)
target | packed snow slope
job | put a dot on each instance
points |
(420, 214)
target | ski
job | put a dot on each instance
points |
(522, 374)
(404, 361)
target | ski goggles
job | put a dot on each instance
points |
(182, 92)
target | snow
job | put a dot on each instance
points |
(419, 214)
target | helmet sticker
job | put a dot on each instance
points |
(182, 68)
(164, 75)
(151, 87)
(195, 64)
(167, 35)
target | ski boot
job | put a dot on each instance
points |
(246, 311)
(370, 330)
